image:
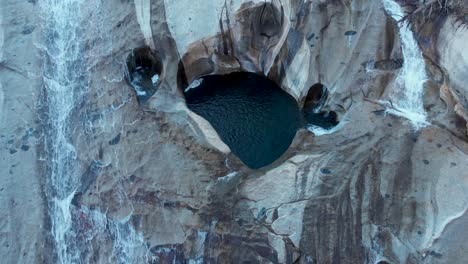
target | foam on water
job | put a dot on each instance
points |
(155, 79)
(320, 131)
(194, 84)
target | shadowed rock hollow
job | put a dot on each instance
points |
(144, 71)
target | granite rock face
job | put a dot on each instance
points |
(157, 184)
(445, 48)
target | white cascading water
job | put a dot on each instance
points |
(407, 98)
(66, 82)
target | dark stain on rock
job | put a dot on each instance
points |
(13, 151)
(426, 161)
(28, 30)
(435, 254)
(89, 176)
(270, 21)
(325, 171)
(239, 249)
(389, 65)
(453, 164)
(24, 147)
(115, 140)
(132, 178)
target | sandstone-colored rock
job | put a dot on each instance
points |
(143, 14)
(157, 184)
(451, 43)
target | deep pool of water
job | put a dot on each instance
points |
(251, 114)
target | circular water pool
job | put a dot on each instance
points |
(251, 114)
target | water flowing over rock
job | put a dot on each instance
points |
(407, 95)
(103, 161)
(63, 72)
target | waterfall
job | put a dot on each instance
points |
(128, 246)
(407, 97)
(65, 83)
(66, 79)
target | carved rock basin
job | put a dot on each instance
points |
(252, 115)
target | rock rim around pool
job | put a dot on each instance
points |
(251, 114)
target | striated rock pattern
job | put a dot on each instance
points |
(157, 184)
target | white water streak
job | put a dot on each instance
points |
(66, 81)
(129, 246)
(407, 97)
(320, 131)
(63, 72)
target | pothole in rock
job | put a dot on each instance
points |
(144, 68)
(384, 65)
(252, 115)
(315, 100)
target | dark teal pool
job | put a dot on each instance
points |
(252, 115)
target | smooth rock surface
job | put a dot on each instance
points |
(158, 185)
